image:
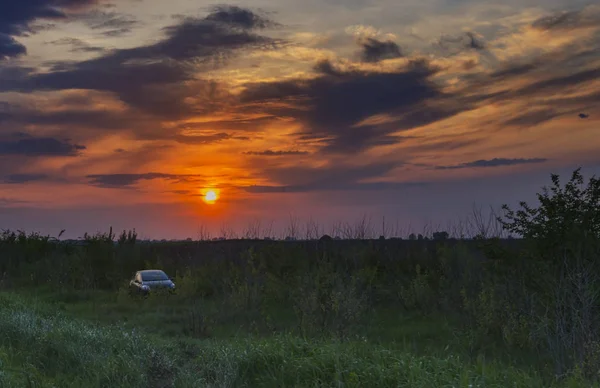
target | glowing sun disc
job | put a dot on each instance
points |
(210, 196)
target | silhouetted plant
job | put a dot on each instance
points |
(440, 235)
(563, 233)
(127, 237)
(563, 212)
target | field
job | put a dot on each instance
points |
(434, 312)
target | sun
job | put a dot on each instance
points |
(210, 196)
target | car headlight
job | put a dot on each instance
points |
(145, 288)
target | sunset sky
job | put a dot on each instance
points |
(126, 112)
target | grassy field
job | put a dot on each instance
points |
(429, 312)
(100, 339)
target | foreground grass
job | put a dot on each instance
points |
(40, 347)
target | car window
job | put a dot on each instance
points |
(151, 276)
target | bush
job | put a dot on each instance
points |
(563, 236)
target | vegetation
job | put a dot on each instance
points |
(430, 311)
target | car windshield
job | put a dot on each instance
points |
(154, 276)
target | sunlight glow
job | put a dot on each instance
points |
(210, 196)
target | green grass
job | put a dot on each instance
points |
(99, 340)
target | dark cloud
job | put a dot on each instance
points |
(275, 153)
(240, 17)
(183, 192)
(128, 180)
(110, 23)
(534, 117)
(474, 42)
(10, 48)
(560, 82)
(496, 162)
(580, 102)
(196, 38)
(157, 88)
(425, 113)
(24, 178)
(512, 70)
(556, 76)
(78, 45)
(156, 78)
(124, 180)
(453, 143)
(39, 146)
(568, 20)
(332, 105)
(347, 186)
(362, 138)
(327, 68)
(452, 45)
(552, 63)
(334, 177)
(206, 138)
(75, 116)
(245, 119)
(374, 50)
(16, 16)
(13, 76)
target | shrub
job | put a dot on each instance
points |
(563, 236)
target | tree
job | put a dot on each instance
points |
(563, 214)
(440, 235)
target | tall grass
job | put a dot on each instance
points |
(53, 350)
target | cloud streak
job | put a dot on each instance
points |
(24, 178)
(78, 45)
(129, 180)
(39, 146)
(276, 153)
(569, 20)
(110, 24)
(496, 162)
